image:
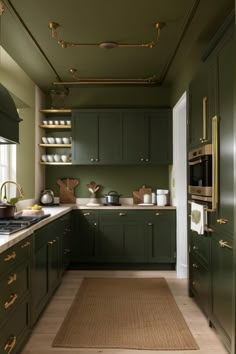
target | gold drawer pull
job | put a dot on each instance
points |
(122, 214)
(86, 214)
(10, 256)
(222, 221)
(224, 244)
(50, 242)
(195, 265)
(10, 345)
(11, 279)
(195, 248)
(157, 214)
(27, 244)
(11, 302)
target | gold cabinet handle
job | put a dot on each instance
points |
(157, 214)
(11, 301)
(122, 214)
(224, 244)
(204, 119)
(27, 244)
(221, 221)
(195, 248)
(195, 265)
(11, 279)
(10, 345)
(86, 214)
(208, 229)
(149, 223)
(10, 256)
(50, 242)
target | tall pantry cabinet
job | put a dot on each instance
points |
(211, 270)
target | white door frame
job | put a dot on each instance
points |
(179, 184)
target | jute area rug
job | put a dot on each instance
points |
(125, 313)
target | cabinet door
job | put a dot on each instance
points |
(84, 234)
(121, 237)
(222, 287)
(160, 226)
(198, 106)
(54, 265)
(226, 136)
(110, 138)
(135, 137)
(161, 137)
(85, 138)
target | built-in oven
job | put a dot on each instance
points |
(201, 172)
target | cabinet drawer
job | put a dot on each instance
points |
(15, 332)
(200, 246)
(13, 286)
(14, 255)
(200, 283)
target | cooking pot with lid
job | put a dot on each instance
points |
(47, 197)
(112, 198)
(7, 210)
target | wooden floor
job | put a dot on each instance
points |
(49, 323)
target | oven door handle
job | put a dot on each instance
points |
(191, 163)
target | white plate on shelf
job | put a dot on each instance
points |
(146, 204)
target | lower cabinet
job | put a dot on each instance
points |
(222, 287)
(15, 296)
(124, 237)
(48, 262)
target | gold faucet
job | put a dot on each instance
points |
(20, 190)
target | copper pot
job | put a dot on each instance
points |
(7, 210)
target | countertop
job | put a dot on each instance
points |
(7, 241)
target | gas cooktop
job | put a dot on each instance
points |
(10, 225)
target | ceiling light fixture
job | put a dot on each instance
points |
(107, 81)
(107, 45)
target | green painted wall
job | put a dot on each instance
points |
(123, 179)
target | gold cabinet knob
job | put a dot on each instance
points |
(221, 221)
(224, 244)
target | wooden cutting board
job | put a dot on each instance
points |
(138, 195)
(67, 187)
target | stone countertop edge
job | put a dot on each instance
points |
(7, 241)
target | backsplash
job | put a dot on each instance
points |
(123, 179)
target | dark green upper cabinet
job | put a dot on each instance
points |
(85, 138)
(135, 137)
(160, 146)
(202, 105)
(122, 136)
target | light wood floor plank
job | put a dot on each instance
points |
(50, 321)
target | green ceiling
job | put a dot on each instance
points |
(189, 25)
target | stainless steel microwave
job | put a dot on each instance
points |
(200, 171)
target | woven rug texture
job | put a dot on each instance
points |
(125, 313)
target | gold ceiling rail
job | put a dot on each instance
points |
(106, 45)
(106, 81)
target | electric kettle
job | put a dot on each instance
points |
(47, 197)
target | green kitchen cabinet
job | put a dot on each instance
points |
(199, 269)
(224, 217)
(121, 237)
(66, 243)
(222, 287)
(84, 236)
(47, 264)
(96, 137)
(161, 236)
(136, 137)
(160, 141)
(122, 136)
(15, 296)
